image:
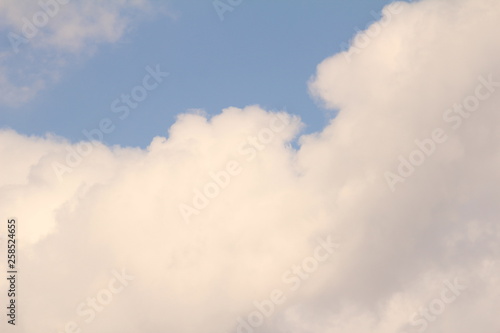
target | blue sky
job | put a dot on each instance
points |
(263, 52)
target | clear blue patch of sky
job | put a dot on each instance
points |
(263, 52)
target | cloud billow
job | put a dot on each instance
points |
(420, 258)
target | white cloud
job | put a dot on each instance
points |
(46, 35)
(119, 207)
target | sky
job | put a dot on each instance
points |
(241, 166)
(262, 52)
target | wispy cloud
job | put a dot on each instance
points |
(43, 37)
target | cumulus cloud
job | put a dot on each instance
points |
(44, 36)
(422, 254)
